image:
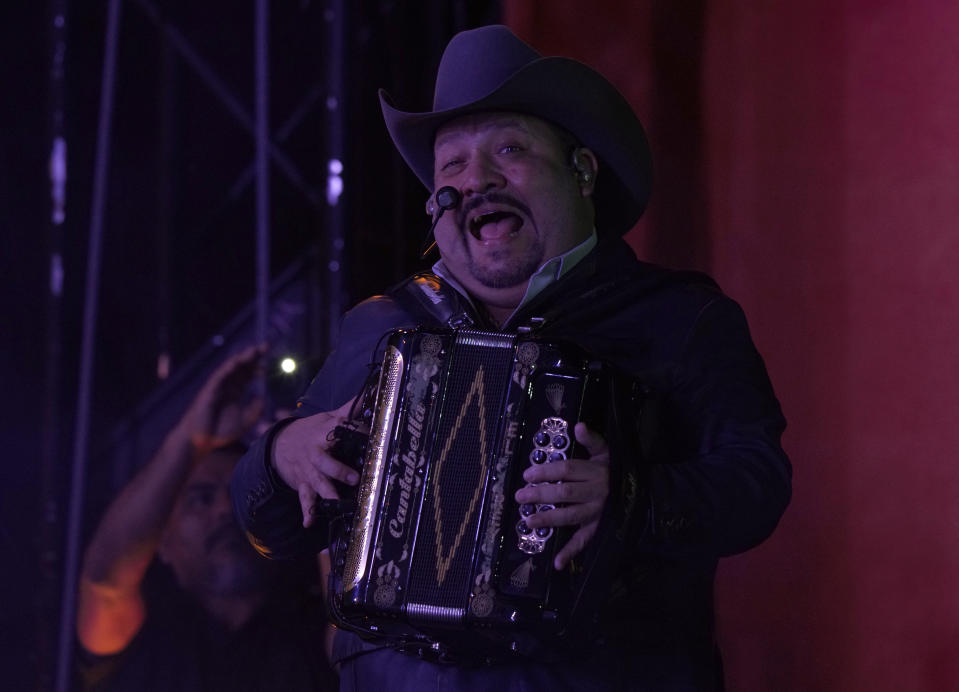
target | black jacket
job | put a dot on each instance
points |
(716, 478)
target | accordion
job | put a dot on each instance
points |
(436, 555)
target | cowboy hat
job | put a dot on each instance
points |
(489, 68)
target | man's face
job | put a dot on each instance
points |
(202, 543)
(522, 204)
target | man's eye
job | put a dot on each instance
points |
(510, 148)
(199, 499)
(451, 163)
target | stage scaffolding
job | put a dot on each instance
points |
(268, 151)
(300, 306)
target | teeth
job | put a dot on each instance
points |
(484, 218)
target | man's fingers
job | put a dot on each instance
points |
(571, 515)
(568, 470)
(575, 545)
(307, 503)
(563, 493)
(244, 359)
(329, 468)
(224, 386)
(593, 442)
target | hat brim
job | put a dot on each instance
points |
(571, 95)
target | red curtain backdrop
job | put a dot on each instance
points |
(808, 157)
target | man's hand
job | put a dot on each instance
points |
(223, 410)
(301, 458)
(579, 497)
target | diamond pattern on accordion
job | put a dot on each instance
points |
(550, 443)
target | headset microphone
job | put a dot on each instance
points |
(447, 198)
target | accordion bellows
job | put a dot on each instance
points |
(437, 553)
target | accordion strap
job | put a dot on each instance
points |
(430, 300)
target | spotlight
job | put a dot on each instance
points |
(287, 365)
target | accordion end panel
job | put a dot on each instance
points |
(374, 469)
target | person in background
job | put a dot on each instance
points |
(172, 597)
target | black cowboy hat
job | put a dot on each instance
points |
(491, 69)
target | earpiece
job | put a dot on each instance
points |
(583, 173)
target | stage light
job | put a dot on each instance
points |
(287, 365)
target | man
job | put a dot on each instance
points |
(232, 621)
(552, 167)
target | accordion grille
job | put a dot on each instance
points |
(466, 437)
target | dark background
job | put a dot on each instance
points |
(805, 156)
(178, 247)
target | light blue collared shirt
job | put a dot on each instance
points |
(551, 272)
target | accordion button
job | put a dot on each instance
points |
(527, 510)
(556, 456)
(523, 528)
(541, 439)
(560, 441)
(537, 456)
(544, 532)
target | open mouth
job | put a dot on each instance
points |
(494, 225)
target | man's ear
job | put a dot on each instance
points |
(585, 166)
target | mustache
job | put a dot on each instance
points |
(228, 531)
(499, 198)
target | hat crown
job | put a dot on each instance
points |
(476, 63)
(490, 69)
